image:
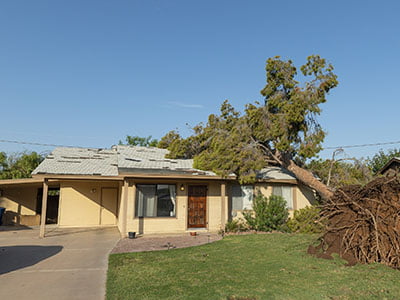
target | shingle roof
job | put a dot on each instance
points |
(275, 173)
(109, 162)
(149, 158)
(80, 161)
(128, 159)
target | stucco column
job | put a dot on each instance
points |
(124, 207)
(224, 205)
(44, 208)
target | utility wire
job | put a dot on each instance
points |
(325, 148)
(40, 144)
(362, 145)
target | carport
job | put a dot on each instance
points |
(22, 199)
(67, 201)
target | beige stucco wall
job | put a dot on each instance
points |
(18, 200)
(302, 196)
(177, 224)
(305, 196)
(214, 207)
(80, 203)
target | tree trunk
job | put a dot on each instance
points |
(307, 178)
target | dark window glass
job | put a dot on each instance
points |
(155, 200)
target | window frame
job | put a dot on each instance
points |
(136, 216)
(232, 196)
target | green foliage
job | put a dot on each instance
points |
(268, 213)
(139, 141)
(236, 225)
(287, 120)
(284, 128)
(342, 173)
(380, 159)
(19, 165)
(306, 220)
(168, 139)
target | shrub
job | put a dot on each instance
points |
(235, 225)
(268, 213)
(306, 220)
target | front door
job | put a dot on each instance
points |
(197, 206)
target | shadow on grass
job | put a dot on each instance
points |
(13, 258)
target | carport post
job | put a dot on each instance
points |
(224, 205)
(44, 208)
(124, 207)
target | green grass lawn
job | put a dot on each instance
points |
(271, 266)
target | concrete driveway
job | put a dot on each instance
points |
(67, 264)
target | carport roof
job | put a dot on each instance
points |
(7, 182)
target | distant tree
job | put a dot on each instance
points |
(3, 161)
(281, 131)
(139, 141)
(18, 165)
(382, 158)
(342, 172)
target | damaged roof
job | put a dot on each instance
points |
(111, 162)
(130, 160)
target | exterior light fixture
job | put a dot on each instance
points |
(182, 188)
(93, 191)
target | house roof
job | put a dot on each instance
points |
(394, 160)
(275, 173)
(130, 160)
(112, 162)
(80, 161)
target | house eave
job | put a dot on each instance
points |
(387, 165)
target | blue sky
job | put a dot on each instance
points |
(88, 73)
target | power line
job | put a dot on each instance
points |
(362, 145)
(325, 148)
(39, 144)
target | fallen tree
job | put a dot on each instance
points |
(283, 130)
(363, 224)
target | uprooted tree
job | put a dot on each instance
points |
(363, 223)
(281, 131)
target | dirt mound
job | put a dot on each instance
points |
(363, 224)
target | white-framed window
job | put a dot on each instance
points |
(242, 197)
(155, 200)
(286, 191)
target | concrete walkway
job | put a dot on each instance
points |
(67, 264)
(164, 242)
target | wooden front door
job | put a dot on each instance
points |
(197, 198)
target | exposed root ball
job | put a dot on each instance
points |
(363, 223)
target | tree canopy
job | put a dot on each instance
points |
(338, 173)
(139, 141)
(18, 165)
(283, 130)
(380, 159)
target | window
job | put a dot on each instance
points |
(242, 197)
(286, 192)
(155, 200)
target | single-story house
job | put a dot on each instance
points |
(137, 189)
